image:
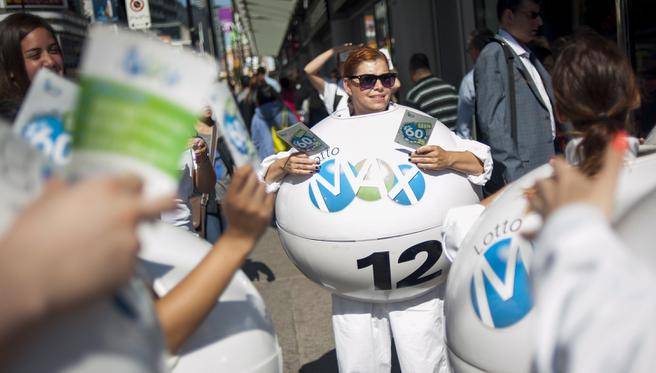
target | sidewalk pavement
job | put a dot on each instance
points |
(300, 308)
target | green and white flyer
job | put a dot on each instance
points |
(139, 100)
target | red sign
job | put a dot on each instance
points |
(136, 5)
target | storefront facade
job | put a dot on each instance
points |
(440, 29)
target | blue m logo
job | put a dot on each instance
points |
(500, 291)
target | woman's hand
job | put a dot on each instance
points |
(247, 206)
(434, 158)
(199, 147)
(300, 164)
(78, 242)
(295, 164)
(431, 158)
(568, 185)
(346, 47)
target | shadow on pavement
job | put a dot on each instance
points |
(252, 269)
(328, 363)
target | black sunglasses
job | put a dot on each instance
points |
(368, 81)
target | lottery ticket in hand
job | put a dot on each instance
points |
(301, 138)
(415, 130)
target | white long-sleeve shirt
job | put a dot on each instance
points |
(479, 150)
(595, 302)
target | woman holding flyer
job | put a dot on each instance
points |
(415, 324)
(27, 43)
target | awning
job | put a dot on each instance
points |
(267, 21)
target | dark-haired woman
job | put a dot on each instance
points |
(363, 330)
(27, 44)
(594, 299)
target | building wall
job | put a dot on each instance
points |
(413, 29)
(437, 28)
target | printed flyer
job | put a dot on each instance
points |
(139, 102)
(46, 117)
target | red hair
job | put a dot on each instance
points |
(359, 56)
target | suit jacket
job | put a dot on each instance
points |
(534, 145)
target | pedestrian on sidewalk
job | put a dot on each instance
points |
(514, 114)
(467, 92)
(431, 94)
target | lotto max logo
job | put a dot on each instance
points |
(500, 291)
(48, 135)
(339, 182)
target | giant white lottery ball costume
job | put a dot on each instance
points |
(634, 228)
(237, 335)
(488, 304)
(367, 226)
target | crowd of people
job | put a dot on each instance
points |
(504, 119)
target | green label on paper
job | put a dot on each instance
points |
(125, 120)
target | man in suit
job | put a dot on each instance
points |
(521, 147)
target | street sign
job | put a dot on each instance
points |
(138, 13)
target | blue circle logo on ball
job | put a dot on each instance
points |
(500, 290)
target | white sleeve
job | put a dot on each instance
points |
(266, 163)
(595, 304)
(329, 90)
(457, 223)
(480, 151)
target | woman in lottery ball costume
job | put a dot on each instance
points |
(363, 326)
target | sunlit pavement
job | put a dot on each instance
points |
(300, 309)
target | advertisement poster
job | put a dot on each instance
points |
(105, 11)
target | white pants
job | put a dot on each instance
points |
(363, 334)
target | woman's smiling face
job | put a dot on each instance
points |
(371, 100)
(40, 49)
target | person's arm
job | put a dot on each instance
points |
(56, 254)
(204, 176)
(248, 209)
(296, 164)
(313, 68)
(490, 79)
(435, 158)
